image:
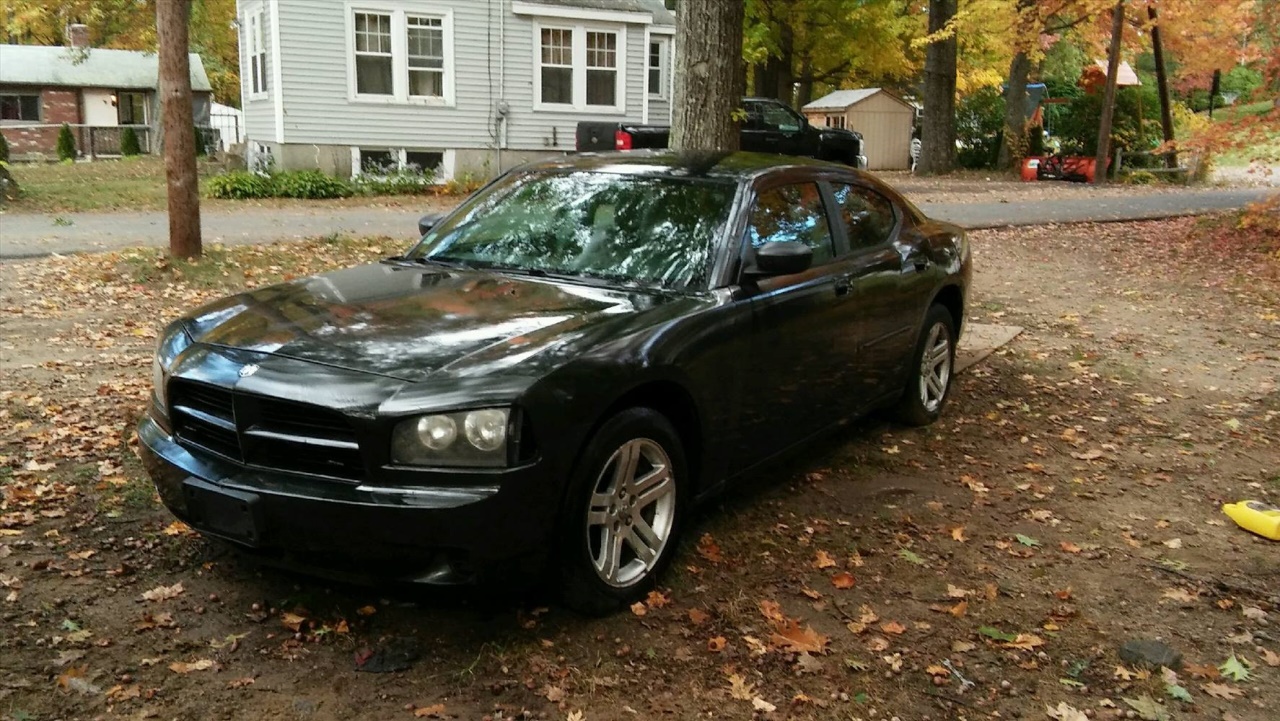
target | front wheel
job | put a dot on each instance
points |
(932, 366)
(622, 516)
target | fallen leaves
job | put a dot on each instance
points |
(709, 549)
(1233, 669)
(822, 560)
(182, 667)
(433, 711)
(843, 580)
(1065, 712)
(1222, 690)
(1271, 658)
(163, 593)
(1180, 595)
(791, 636)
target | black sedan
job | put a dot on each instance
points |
(560, 369)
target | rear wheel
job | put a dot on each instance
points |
(931, 370)
(623, 513)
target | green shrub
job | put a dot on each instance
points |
(309, 184)
(396, 182)
(129, 146)
(979, 126)
(241, 185)
(66, 144)
(4, 149)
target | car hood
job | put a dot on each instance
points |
(410, 322)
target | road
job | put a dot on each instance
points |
(34, 235)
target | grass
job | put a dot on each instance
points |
(138, 183)
(125, 184)
(1235, 112)
(1252, 132)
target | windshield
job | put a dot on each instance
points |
(623, 228)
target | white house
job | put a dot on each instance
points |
(469, 86)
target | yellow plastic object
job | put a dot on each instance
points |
(1255, 516)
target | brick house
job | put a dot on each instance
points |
(98, 92)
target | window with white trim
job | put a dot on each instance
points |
(602, 68)
(580, 68)
(835, 121)
(257, 53)
(374, 59)
(399, 55)
(557, 66)
(657, 67)
(425, 36)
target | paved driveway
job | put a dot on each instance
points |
(28, 235)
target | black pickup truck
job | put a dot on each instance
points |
(770, 127)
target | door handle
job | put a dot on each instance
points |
(843, 286)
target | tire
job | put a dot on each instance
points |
(609, 560)
(932, 369)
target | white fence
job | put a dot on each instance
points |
(229, 123)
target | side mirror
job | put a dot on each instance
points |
(427, 222)
(783, 258)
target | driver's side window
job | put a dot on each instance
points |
(792, 214)
(776, 117)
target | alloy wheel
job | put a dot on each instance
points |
(935, 367)
(631, 513)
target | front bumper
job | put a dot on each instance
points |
(459, 527)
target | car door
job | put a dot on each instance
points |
(773, 128)
(883, 275)
(792, 359)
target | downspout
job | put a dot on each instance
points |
(503, 109)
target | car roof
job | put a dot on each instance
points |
(719, 165)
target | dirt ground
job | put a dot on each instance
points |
(990, 566)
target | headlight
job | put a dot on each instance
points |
(173, 340)
(433, 440)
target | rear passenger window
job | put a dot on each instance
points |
(868, 216)
(792, 214)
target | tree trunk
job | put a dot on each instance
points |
(1162, 83)
(938, 128)
(1013, 142)
(708, 77)
(1109, 95)
(179, 138)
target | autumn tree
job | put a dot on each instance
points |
(797, 48)
(708, 77)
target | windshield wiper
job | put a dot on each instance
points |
(427, 260)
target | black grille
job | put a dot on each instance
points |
(265, 432)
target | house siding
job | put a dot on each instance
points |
(324, 121)
(259, 111)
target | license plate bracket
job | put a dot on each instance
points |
(234, 515)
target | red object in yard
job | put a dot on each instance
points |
(1031, 168)
(1076, 168)
(621, 140)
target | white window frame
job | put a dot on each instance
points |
(579, 32)
(443, 173)
(256, 52)
(663, 91)
(399, 11)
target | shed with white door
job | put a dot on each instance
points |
(884, 119)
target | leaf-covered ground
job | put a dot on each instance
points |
(987, 567)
